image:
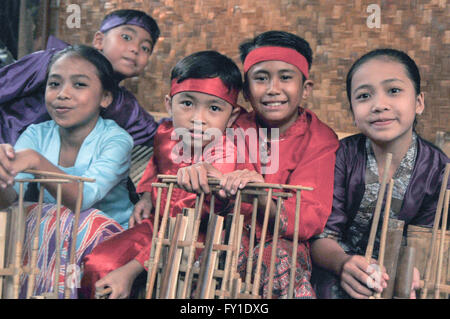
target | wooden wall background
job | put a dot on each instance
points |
(336, 30)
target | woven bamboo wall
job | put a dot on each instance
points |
(337, 31)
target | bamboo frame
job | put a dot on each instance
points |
(210, 274)
(17, 269)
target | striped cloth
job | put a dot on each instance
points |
(94, 227)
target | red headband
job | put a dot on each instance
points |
(212, 86)
(273, 53)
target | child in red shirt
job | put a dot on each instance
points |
(203, 98)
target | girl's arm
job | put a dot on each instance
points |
(357, 277)
(12, 163)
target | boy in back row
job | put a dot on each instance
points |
(126, 38)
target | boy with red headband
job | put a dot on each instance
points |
(276, 66)
(302, 149)
(203, 103)
(126, 38)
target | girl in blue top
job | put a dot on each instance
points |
(77, 141)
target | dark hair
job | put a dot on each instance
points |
(208, 64)
(104, 68)
(389, 54)
(277, 38)
(128, 15)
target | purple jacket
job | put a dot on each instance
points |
(22, 89)
(421, 197)
(419, 203)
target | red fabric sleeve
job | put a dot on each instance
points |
(149, 177)
(315, 170)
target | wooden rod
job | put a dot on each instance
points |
(215, 181)
(384, 229)
(42, 180)
(62, 175)
(295, 245)
(58, 239)
(251, 246)
(274, 249)
(262, 241)
(73, 248)
(18, 257)
(31, 277)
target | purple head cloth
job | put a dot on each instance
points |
(115, 21)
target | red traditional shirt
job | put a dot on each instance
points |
(306, 157)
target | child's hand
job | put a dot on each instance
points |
(7, 173)
(359, 278)
(141, 210)
(233, 181)
(120, 280)
(194, 178)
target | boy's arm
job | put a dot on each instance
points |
(25, 75)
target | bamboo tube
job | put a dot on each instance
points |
(376, 216)
(173, 281)
(262, 241)
(274, 248)
(41, 180)
(209, 257)
(168, 272)
(31, 277)
(58, 239)
(153, 264)
(232, 249)
(73, 248)
(295, 245)
(437, 218)
(19, 240)
(441, 245)
(249, 267)
(189, 274)
(384, 229)
(404, 279)
(230, 232)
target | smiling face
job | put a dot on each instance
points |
(127, 47)
(74, 93)
(384, 101)
(201, 111)
(276, 90)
